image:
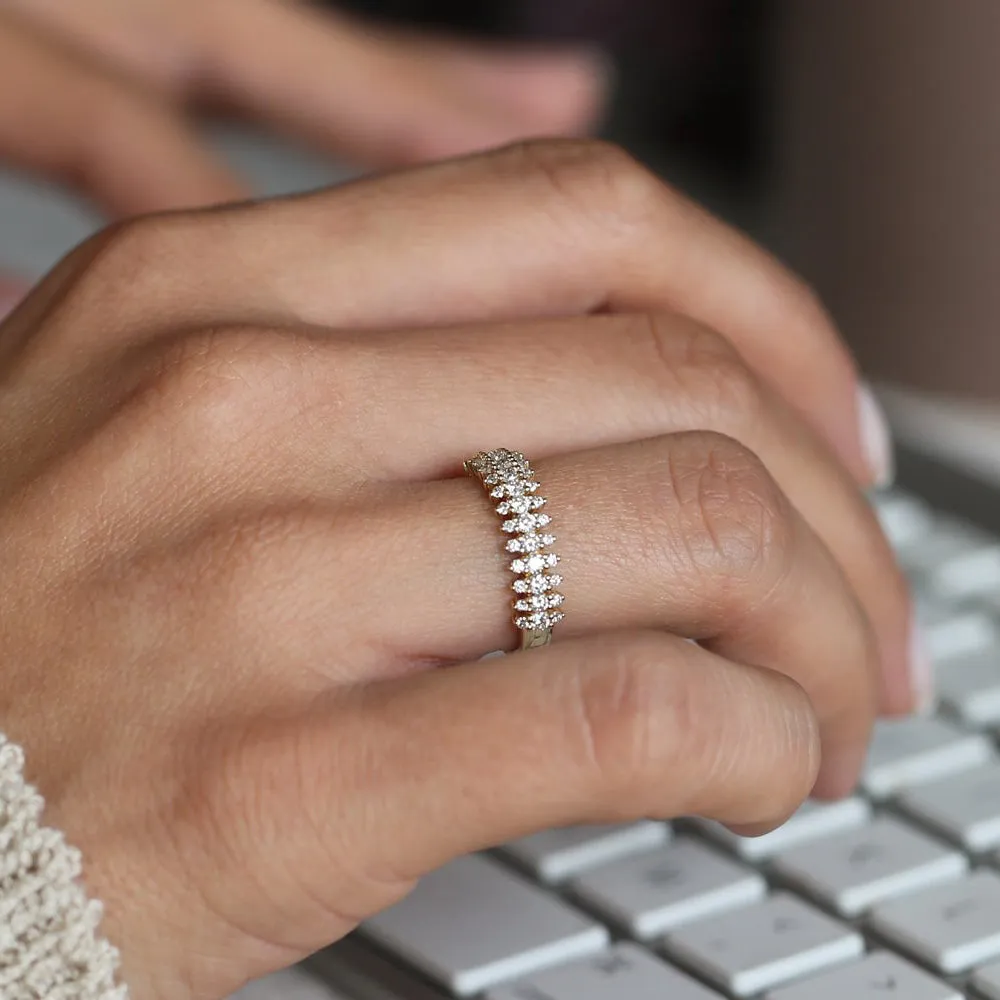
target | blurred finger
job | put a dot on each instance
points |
(67, 119)
(386, 98)
(538, 230)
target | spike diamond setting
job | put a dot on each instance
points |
(508, 478)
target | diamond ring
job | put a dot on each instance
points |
(507, 478)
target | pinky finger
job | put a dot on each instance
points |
(406, 774)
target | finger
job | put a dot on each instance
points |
(383, 98)
(537, 230)
(686, 533)
(611, 728)
(558, 386)
(601, 730)
(67, 119)
(248, 416)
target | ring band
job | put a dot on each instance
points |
(507, 477)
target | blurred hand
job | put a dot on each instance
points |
(236, 538)
(96, 92)
(11, 292)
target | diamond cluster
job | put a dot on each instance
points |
(508, 478)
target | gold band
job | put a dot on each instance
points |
(507, 478)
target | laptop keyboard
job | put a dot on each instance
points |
(894, 892)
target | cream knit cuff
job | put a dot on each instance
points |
(50, 944)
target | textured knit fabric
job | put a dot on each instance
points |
(50, 945)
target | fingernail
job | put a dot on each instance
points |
(921, 671)
(876, 438)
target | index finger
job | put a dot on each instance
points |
(72, 121)
(538, 229)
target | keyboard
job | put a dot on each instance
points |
(894, 892)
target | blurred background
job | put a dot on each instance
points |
(858, 140)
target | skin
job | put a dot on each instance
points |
(99, 93)
(102, 95)
(237, 544)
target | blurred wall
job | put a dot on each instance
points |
(887, 179)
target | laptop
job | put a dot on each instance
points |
(894, 892)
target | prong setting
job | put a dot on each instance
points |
(508, 478)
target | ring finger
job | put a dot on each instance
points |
(686, 532)
(563, 385)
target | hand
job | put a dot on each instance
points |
(237, 541)
(95, 92)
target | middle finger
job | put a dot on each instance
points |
(562, 385)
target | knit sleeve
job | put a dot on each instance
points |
(50, 943)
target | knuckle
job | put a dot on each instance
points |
(125, 250)
(724, 386)
(726, 511)
(600, 178)
(755, 760)
(657, 740)
(124, 262)
(613, 710)
(218, 383)
(789, 763)
(684, 355)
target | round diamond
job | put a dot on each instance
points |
(539, 602)
(526, 543)
(537, 583)
(538, 620)
(526, 523)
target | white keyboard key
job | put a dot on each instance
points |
(876, 977)
(762, 946)
(968, 574)
(951, 927)
(969, 686)
(909, 751)
(904, 519)
(811, 820)
(627, 973)
(965, 807)
(289, 984)
(987, 981)
(650, 894)
(853, 871)
(472, 925)
(950, 633)
(949, 541)
(554, 855)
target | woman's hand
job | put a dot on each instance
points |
(237, 541)
(95, 92)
